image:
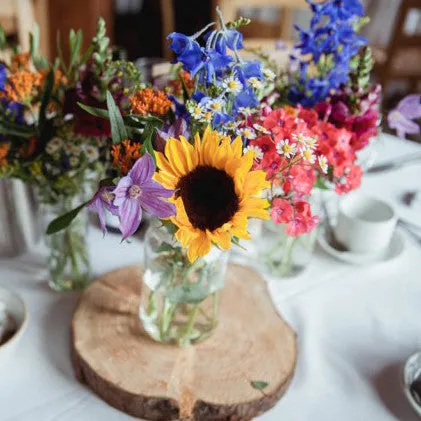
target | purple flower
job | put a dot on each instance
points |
(136, 191)
(400, 118)
(177, 129)
(103, 200)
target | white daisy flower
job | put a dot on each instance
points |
(255, 83)
(231, 125)
(74, 161)
(232, 84)
(91, 153)
(258, 153)
(285, 148)
(308, 155)
(261, 129)
(247, 133)
(76, 150)
(68, 148)
(245, 111)
(323, 163)
(216, 105)
(206, 116)
(268, 74)
(311, 142)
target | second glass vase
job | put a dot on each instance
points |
(68, 258)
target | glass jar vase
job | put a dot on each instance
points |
(179, 299)
(282, 255)
(68, 256)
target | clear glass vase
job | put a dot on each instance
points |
(284, 256)
(68, 256)
(179, 299)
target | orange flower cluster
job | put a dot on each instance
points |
(4, 150)
(59, 77)
(20, 61)
(177, 84)
(22, 85)
(29, 149)
(147, 101)
(124, 157)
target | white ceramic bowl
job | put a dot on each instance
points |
(15, 306)
(412, 370)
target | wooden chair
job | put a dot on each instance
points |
(262, 35)
(18, 18)
(402, 58)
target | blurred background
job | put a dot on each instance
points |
(139, 29)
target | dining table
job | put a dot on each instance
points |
(356, 324)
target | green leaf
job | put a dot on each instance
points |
(106, 182)
(97, 112)
(165, 247)
(34, 42)
(64, 221)
(3, 40)
(41, 62)
(46, 96)
(259, 385)
(14, 132)
(188, 293)
(321, 184)
(118, 129)
(60, 53)
(75, 39)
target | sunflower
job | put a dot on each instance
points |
(215, 190)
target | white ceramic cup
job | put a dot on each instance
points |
(365, 224)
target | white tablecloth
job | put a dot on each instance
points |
(355, 326)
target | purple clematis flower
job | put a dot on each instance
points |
(138, 191)
(400, 118)
(177, 129)
(103, 200)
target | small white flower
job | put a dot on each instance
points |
(308, 155)
(206, 117)
(255, 83)
(231, 125)
(261, 129)
(54, 145)
(68, 148)
(216, 105)
(311, 142)
(232, 84)
(91, 152)
(258, 153)
(285, 148)
(74, 161)
(247, 133)
(323, 163)
(245, 111)
(269, 74)
(76, 150)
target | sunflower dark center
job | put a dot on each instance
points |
(209, 197)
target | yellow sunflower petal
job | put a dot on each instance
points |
(255, 207)
(176, 156)
(239, 226)
(199, 247)
(221, 238)
(254, 183)
(237, 147)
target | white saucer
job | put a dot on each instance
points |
(395, 249)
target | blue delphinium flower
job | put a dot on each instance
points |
(3, 75)
(330, 42)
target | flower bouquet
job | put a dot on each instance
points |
(48, 141)
(323, 113)
(179, 157)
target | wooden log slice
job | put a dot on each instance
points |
(210, 381)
